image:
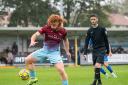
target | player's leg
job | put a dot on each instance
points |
(30, 60)
(110, 69)
(98, 60)
(102, 69)
(107, 65)
(104, 72)
(56, 59)
(63, 74)
(97, 73)
(94, 57)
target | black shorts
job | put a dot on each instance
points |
(98, 55)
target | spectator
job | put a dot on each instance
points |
(72, 51)
(14, 49)
(120, 49)
(78, 57)
(3, 57)
(10, 57)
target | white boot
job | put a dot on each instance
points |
(107, 76)
(114, 75)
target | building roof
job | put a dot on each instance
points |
(118, 19)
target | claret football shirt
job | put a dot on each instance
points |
(52, 38)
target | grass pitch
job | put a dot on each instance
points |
(82, 75)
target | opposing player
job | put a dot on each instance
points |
(106, 64)
(100, 46)
(53, 33)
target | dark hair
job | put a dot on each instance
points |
(93, 15)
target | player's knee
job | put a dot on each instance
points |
(28, 59)
(97, 65)
(105, 64)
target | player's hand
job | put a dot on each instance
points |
(32, 43)
(110, 54)
(69, 55)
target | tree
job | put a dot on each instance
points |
(125, 7)
(119, 6)
(29, 11)
(77, 11)
(68, 8)
(92, 7)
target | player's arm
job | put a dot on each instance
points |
(33, 38)
(86, 43)
(110, 50)
(66, 46)
(106, 42)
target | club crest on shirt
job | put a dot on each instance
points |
(54, 37)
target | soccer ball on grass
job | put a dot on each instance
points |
(24, 74)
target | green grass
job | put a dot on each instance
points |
(77, 76)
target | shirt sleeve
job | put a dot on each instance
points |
(65, 34)
(42, 30)
(86, 42)
(106, 41)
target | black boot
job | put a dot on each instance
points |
(94, 82)
(99, 82)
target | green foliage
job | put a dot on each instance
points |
(93, 7)
(29, 11)
(37, 11)
(77, 11)
(68, 7)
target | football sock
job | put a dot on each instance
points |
(94, 82)
(32, 74)
(97, 73)
(102, 71)
(65, 82)
(109, 68)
